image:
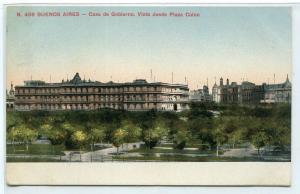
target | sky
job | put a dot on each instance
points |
(239, 43)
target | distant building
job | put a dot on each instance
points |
(278, 93)
(216, 92)
(78, 94)
(249, 93)
(200, 95)
(229, 92)
(10, 98)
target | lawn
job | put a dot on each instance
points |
(35, 149)
(31, 159)
(43, 149)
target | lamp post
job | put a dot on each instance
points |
(149, 139)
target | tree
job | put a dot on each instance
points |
(45, 128)
(278, 136)
(69, 131)
(199, 110)
(57, 136)
(181, 138)
(119, 138)
(68, 127)
(14, 134)
(29, 136)
(259, 140)
(56, 133)
(236, 137)
(220, 137)
(152, 136)
(12, 119)
(48, 131)
(133, 132)
(202, 131)
(23, 134)
(79, 137)
(204, 137)
(284, 137)
(96, 135)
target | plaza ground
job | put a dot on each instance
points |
(138, 152)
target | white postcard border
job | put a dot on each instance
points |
(16, 166)
(151, 173)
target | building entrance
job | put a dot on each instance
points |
(175, 107)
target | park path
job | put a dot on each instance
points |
(99, 155)
(240, 152)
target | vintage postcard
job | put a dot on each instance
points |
(148, 95)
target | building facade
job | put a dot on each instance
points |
(78, 94)
(249, 93)
(10, 98)
(216, 93)
(200, 95)
(278, 93)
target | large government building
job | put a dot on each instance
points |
(78, 94)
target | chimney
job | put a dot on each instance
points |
(221, 81)
(227, 82)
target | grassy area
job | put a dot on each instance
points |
(36, 149)
(42, 149)
(31, 159)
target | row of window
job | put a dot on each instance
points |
(85, 90)
(82, 106)
(91, 97)
(138, 96)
